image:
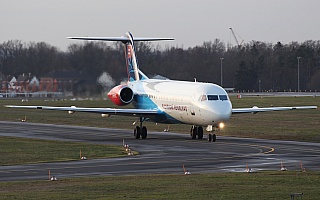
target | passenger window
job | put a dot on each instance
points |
(223, 97)
(213, 97)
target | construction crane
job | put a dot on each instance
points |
(234, 35)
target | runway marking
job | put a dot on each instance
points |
(271, 150)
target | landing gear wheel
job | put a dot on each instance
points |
(214, 138)
(210, 137)
(200, 132)
(137, 132)
(144, 132)
(193, 132)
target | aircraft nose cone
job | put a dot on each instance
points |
(222, 112)
(224, 115)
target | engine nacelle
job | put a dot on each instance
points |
(121, 95)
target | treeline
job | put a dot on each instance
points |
(253, 66)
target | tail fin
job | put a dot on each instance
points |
(134, 74)
(131, 60)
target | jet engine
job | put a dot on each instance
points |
(121, 95)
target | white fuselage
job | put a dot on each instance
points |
(185, 102)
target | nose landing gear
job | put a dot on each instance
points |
(198, 131)
(212, 137)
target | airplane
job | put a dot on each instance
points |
(166, 101)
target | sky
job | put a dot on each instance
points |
(190, 22)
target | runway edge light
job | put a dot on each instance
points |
(303, 169)
(51, 178)
(248, 169)
(82, 157)
(186, 172)
(126, 146)
(283, 168)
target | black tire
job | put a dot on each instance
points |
(200, 132)
(214, 138)
(136, 132)
(194, 132)
(210, 137)
(144, 132)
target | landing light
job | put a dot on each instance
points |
(221, 125)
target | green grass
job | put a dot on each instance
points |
(15, 151)
(262, 185)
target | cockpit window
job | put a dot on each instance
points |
(203, 98)
(223, 97)
(213, 97)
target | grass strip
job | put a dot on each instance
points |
(261, 185)
(16, 151)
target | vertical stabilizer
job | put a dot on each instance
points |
(131, 60)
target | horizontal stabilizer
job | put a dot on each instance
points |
(121, 39)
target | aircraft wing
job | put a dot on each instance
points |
(256, 109)
(110, 111)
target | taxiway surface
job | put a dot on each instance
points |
(161, 153)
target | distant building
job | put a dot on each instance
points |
(21, 86)
(22, 83)
(12, 84)
(52, 84)
(34, 84)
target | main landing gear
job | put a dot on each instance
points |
(140, 131)
(198, 131)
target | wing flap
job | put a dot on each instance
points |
(257, 109)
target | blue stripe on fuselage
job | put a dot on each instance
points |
(142, 101)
